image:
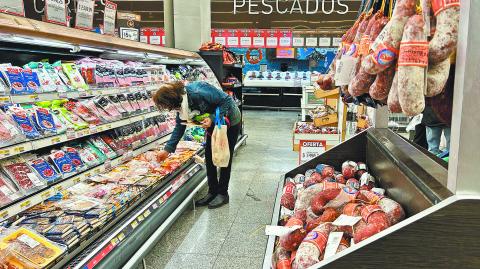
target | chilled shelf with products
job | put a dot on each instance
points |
(80, 182)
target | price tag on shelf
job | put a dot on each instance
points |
(5, 153)
(82, 93)
(155, 206)
(93, 129)
(88, 175)
(108, 126)
(58, 188)
(33, 97)
(100, 128)
(140, 218)
(62, 95)
(134, 224)
(25, 204)
(4, 214)
(109, 16)
(71, 134)
(121, 236)
(19, 149)
(97, 171)
(76, 180)
(146, 213)
(5, 99)
(114, 241)
(55, 140)
(47, 194)
(84, 18)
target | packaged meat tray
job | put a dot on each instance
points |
(22, 175)
(9, 133)
(31, 246)
(8, 190)
(43, 168)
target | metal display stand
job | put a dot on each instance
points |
(441, 204)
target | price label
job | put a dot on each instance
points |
(14, 7)
(97, 171)
(58, 188)
(5, 152)
(4, 214)
(155, 206)
(324, 42)
(84, 14)
(88, 175)
(108, 126)
(311, 41)
(298, 41)
(310, 149)
(93, 129)
(47, 194)
(56, 11)
(114, 242)
(20, 149)
(121, 236)
(82, 94)
(76, 180)
(55, 140)
(332, 244)
(62, 95)
(109, 17)
(140, 218)
(34, 97)
(5, 99)
(71, 134)
(25, 204)
(134, 224)
(146, 213)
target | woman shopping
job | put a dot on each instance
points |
(198, 98)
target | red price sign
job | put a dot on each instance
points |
(310, 149)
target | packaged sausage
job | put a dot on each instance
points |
(313, 246)
(31, 81)
(437, 77)
(44, 120)
(23, 121)
(412, 63)
(9, 132)
(43, 169)
(62, 162)
(289, 195)
(22, 175)
(76, 79)
(13, 75)
(74, 156)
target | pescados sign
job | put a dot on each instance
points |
(309, 7)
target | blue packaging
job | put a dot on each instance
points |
(62, 162)
(44, 169)
(44, 120)
(31, 81)
(20, 116)
(73, 154)
(16, 81)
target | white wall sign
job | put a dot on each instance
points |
(232, 41)
(14, 7)
(298, 41)
(324, 42)
(155, 40)
(221, 40)
(310, 149)
(289, 7)
(56, 11)
(272, 42)
(245, 41)
(109, 18)
(84, 16)
(285, 41)
(336, 41)
(259, 41)
(311, 41)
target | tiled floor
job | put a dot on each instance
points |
(233, 236)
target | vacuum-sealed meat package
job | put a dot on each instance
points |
(9, 132)
(22, 175)
(23, 121)
(74, 156)
(43, 168)
(8, 191)
(62, 162)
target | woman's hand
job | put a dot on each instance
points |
(206, 123)
(162, 155)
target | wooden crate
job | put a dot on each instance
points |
(332, 139)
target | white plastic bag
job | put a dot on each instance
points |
(220, 149)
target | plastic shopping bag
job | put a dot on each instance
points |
(220, 149)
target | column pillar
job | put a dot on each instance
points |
(168, 23)
(192, 23)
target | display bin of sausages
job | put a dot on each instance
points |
(406, 216)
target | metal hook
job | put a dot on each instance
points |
(35, 7)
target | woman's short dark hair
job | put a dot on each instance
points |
(169, 96)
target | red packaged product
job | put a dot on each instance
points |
(25, 178)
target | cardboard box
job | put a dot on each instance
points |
(326, 120)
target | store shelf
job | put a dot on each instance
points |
(136, 219)
(70, 135)
(62, 36)
(21, 99)
(42, 195)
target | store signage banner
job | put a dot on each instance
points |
(324, 42)
(84, 17)
(257, 38)
(14, 7)
(56, 11)
(233, 38)
(310, 149)
(109, 18)
(281, 7)
(245, 38)
(152, 35)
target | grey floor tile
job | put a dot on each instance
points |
(238, 262)
(245, 240)
(158, 260)
(183, 261)
(257, 212)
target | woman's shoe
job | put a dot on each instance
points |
(218, 201)
(205, 200)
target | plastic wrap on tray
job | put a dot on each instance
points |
(9, 132)
(8, 191)
(22, 175)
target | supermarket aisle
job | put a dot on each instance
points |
(233, 236)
